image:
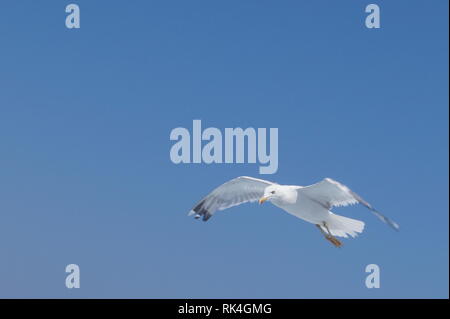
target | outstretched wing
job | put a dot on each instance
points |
(331, 193)
(234, 192)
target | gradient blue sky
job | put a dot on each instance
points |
(85, 173)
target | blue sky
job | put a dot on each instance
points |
(86, 178)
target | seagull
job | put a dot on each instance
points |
(310, 203)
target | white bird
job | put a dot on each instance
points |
(310, 203)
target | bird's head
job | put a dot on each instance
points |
(278, 193)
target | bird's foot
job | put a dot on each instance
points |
(334, 241)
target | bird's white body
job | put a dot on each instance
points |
(310, 203)
(302, 207)
(297, 201)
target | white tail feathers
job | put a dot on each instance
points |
(343, 226)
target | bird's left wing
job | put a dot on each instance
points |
(234, 192)
(331, 193)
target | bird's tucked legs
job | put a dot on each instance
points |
(328, 235)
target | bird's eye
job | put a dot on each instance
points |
(272, 192)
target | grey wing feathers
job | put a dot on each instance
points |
(234, 192)
(331, 193)
(383, 218)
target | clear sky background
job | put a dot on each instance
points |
(85, 173)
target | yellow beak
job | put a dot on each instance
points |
(263, 199)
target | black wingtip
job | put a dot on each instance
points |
(386, 220)
(201, 211)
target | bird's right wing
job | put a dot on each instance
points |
(330, 193)
(234, 192)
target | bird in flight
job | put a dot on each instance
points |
(310, 203)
